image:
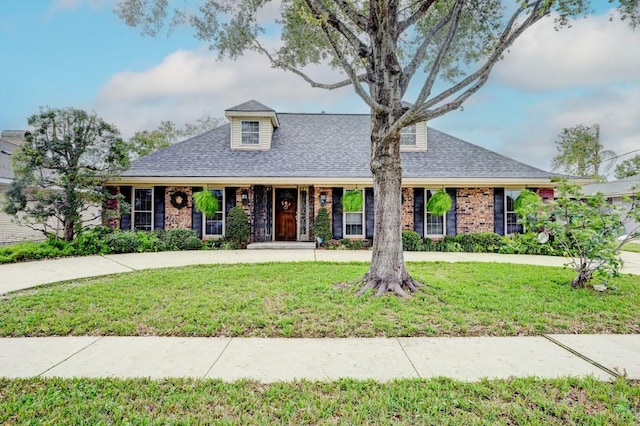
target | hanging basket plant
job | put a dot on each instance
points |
(206, 202)
(525, 199)
(352, 201)
(439, 203)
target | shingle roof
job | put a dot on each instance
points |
(324, 146)
(251, 106)
(616, 188)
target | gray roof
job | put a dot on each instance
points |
(8, 143)
(251, 106)
(324, 146)
(616, 188)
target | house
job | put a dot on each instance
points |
(10, 231)
(615, 191)
(283, 167)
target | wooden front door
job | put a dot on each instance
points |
(286, 208)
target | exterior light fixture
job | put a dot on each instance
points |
(323, 198)
(244, 197)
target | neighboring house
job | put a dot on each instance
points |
(615, 191)
(283, 167)
(11, 232)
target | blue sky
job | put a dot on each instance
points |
(78, 53)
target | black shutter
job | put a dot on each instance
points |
(196, 216)
(452, 221)
(230, 199)
(336, 213)
(369, 213)
(498, 211)
(125, 219)
(418, 211)
(158, 208)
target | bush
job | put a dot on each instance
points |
(479, 242)
(123, 242)
(528, 244)
(411, 241)
(192, 243)
(175, 239)
(322, 225)
(92, 241)
(237, 226)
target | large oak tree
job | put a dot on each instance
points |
(382, 48)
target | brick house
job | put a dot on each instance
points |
(283, 167)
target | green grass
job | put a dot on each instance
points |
(634, 247)
(304, 300)
(436, 401)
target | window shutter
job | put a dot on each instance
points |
(336, 213)
(498, 211)
(418, 211)
(452, 220)
(230, 199)
(196, 216)
(369, 212)
(125, 219)
(158, 208)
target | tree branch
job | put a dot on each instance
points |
(359, 20)
(422, 10)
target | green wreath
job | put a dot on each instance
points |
(179, 199)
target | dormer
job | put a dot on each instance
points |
(252, 126)
(414, 137)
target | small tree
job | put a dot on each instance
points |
(237, 226)
(587, 228)
(628, 168)
(61, 169)
(322, 225)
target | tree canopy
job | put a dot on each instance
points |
(580, 152)
(628, 168)
(61, 168)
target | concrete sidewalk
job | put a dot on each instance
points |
(271, 360)
(17, 276)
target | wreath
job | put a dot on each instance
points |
(179, 199)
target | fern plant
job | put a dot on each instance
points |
(206, 202)
(525, 199)
(352, 201)
(439, 203)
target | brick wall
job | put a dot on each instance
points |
(245, 207)
(474, 210)
(174, 217)
(407, 209)
(327, 205)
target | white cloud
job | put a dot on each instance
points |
(594, 51)
(186, 83)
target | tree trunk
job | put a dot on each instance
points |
(583, 277)
(387, 272)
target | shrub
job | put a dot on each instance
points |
(123, 242)
(92, 241)
(479, 242)
(174, 239)
(237, 226)
(411, 240)
(322, 225)
(192, 243)
(148, 241)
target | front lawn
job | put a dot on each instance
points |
(318, 300)
(634, 247)
(438, 401)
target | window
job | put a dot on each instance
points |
(143, 209)
(354, 221)
(511, 218)
(250, 133)
(214, 225)
(408, 136)
(433, 224)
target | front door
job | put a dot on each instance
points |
(286, 208)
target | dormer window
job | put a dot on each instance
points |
(250, 132)
(408, 136)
